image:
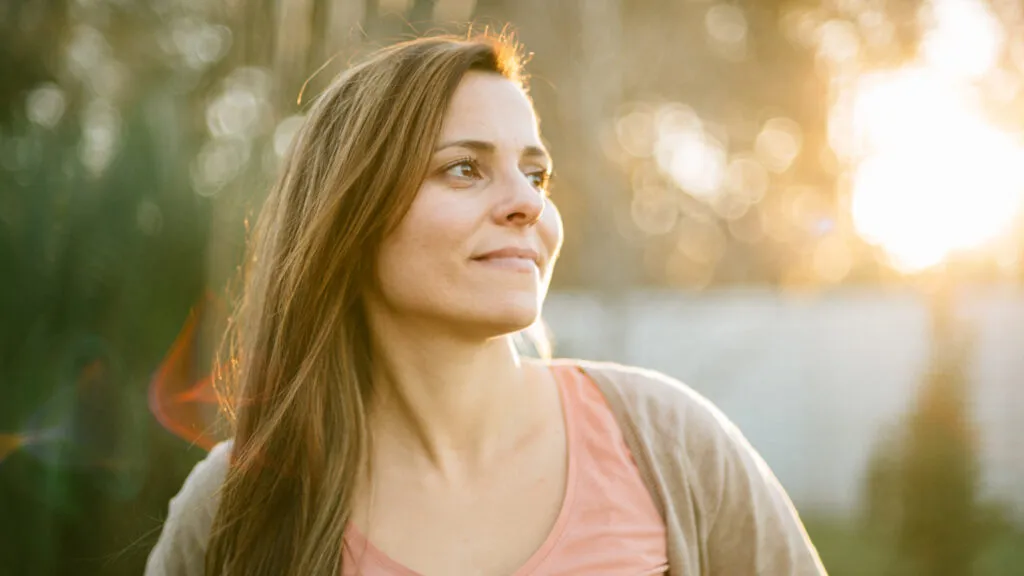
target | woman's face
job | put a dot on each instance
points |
(477, 247)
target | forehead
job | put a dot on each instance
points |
(487, 106)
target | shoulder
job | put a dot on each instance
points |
(672, 427)
(697, 459)
(656, 402)
(181, 547)
(678, 436)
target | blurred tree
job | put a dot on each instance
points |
(23, 58)
(422, 11)
(881, 494)
(921, 487)
(101, 255)
(608, 266)
(938, 530)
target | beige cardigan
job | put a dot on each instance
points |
(725, 513)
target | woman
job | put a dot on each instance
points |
(385, 423)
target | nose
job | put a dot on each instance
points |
(521, 203)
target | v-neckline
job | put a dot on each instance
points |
(363, 550)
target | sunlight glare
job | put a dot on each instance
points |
(965, 39)
(931, 175)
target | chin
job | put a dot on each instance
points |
(507, 316)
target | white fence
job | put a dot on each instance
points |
(814, 380)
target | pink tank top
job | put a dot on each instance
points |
(608, 524)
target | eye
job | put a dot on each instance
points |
(540, 179)
(465, 168)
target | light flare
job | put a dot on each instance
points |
(931, 175)
(181, 398)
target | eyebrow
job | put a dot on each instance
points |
(484, 147)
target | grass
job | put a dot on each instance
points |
(847, 549)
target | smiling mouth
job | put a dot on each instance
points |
(510, 263)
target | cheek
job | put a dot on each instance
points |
(438, 225)
(550, 229)
(427, 247)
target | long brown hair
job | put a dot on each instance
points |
(299, 360)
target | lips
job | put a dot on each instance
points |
(511, 252)
(511, 257)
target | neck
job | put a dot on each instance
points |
(452, 403)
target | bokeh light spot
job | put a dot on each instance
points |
(285, 132)
(779, 143)
(45, 105)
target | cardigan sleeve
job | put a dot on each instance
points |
(752, 526)
(725, 511)
(181, 547)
